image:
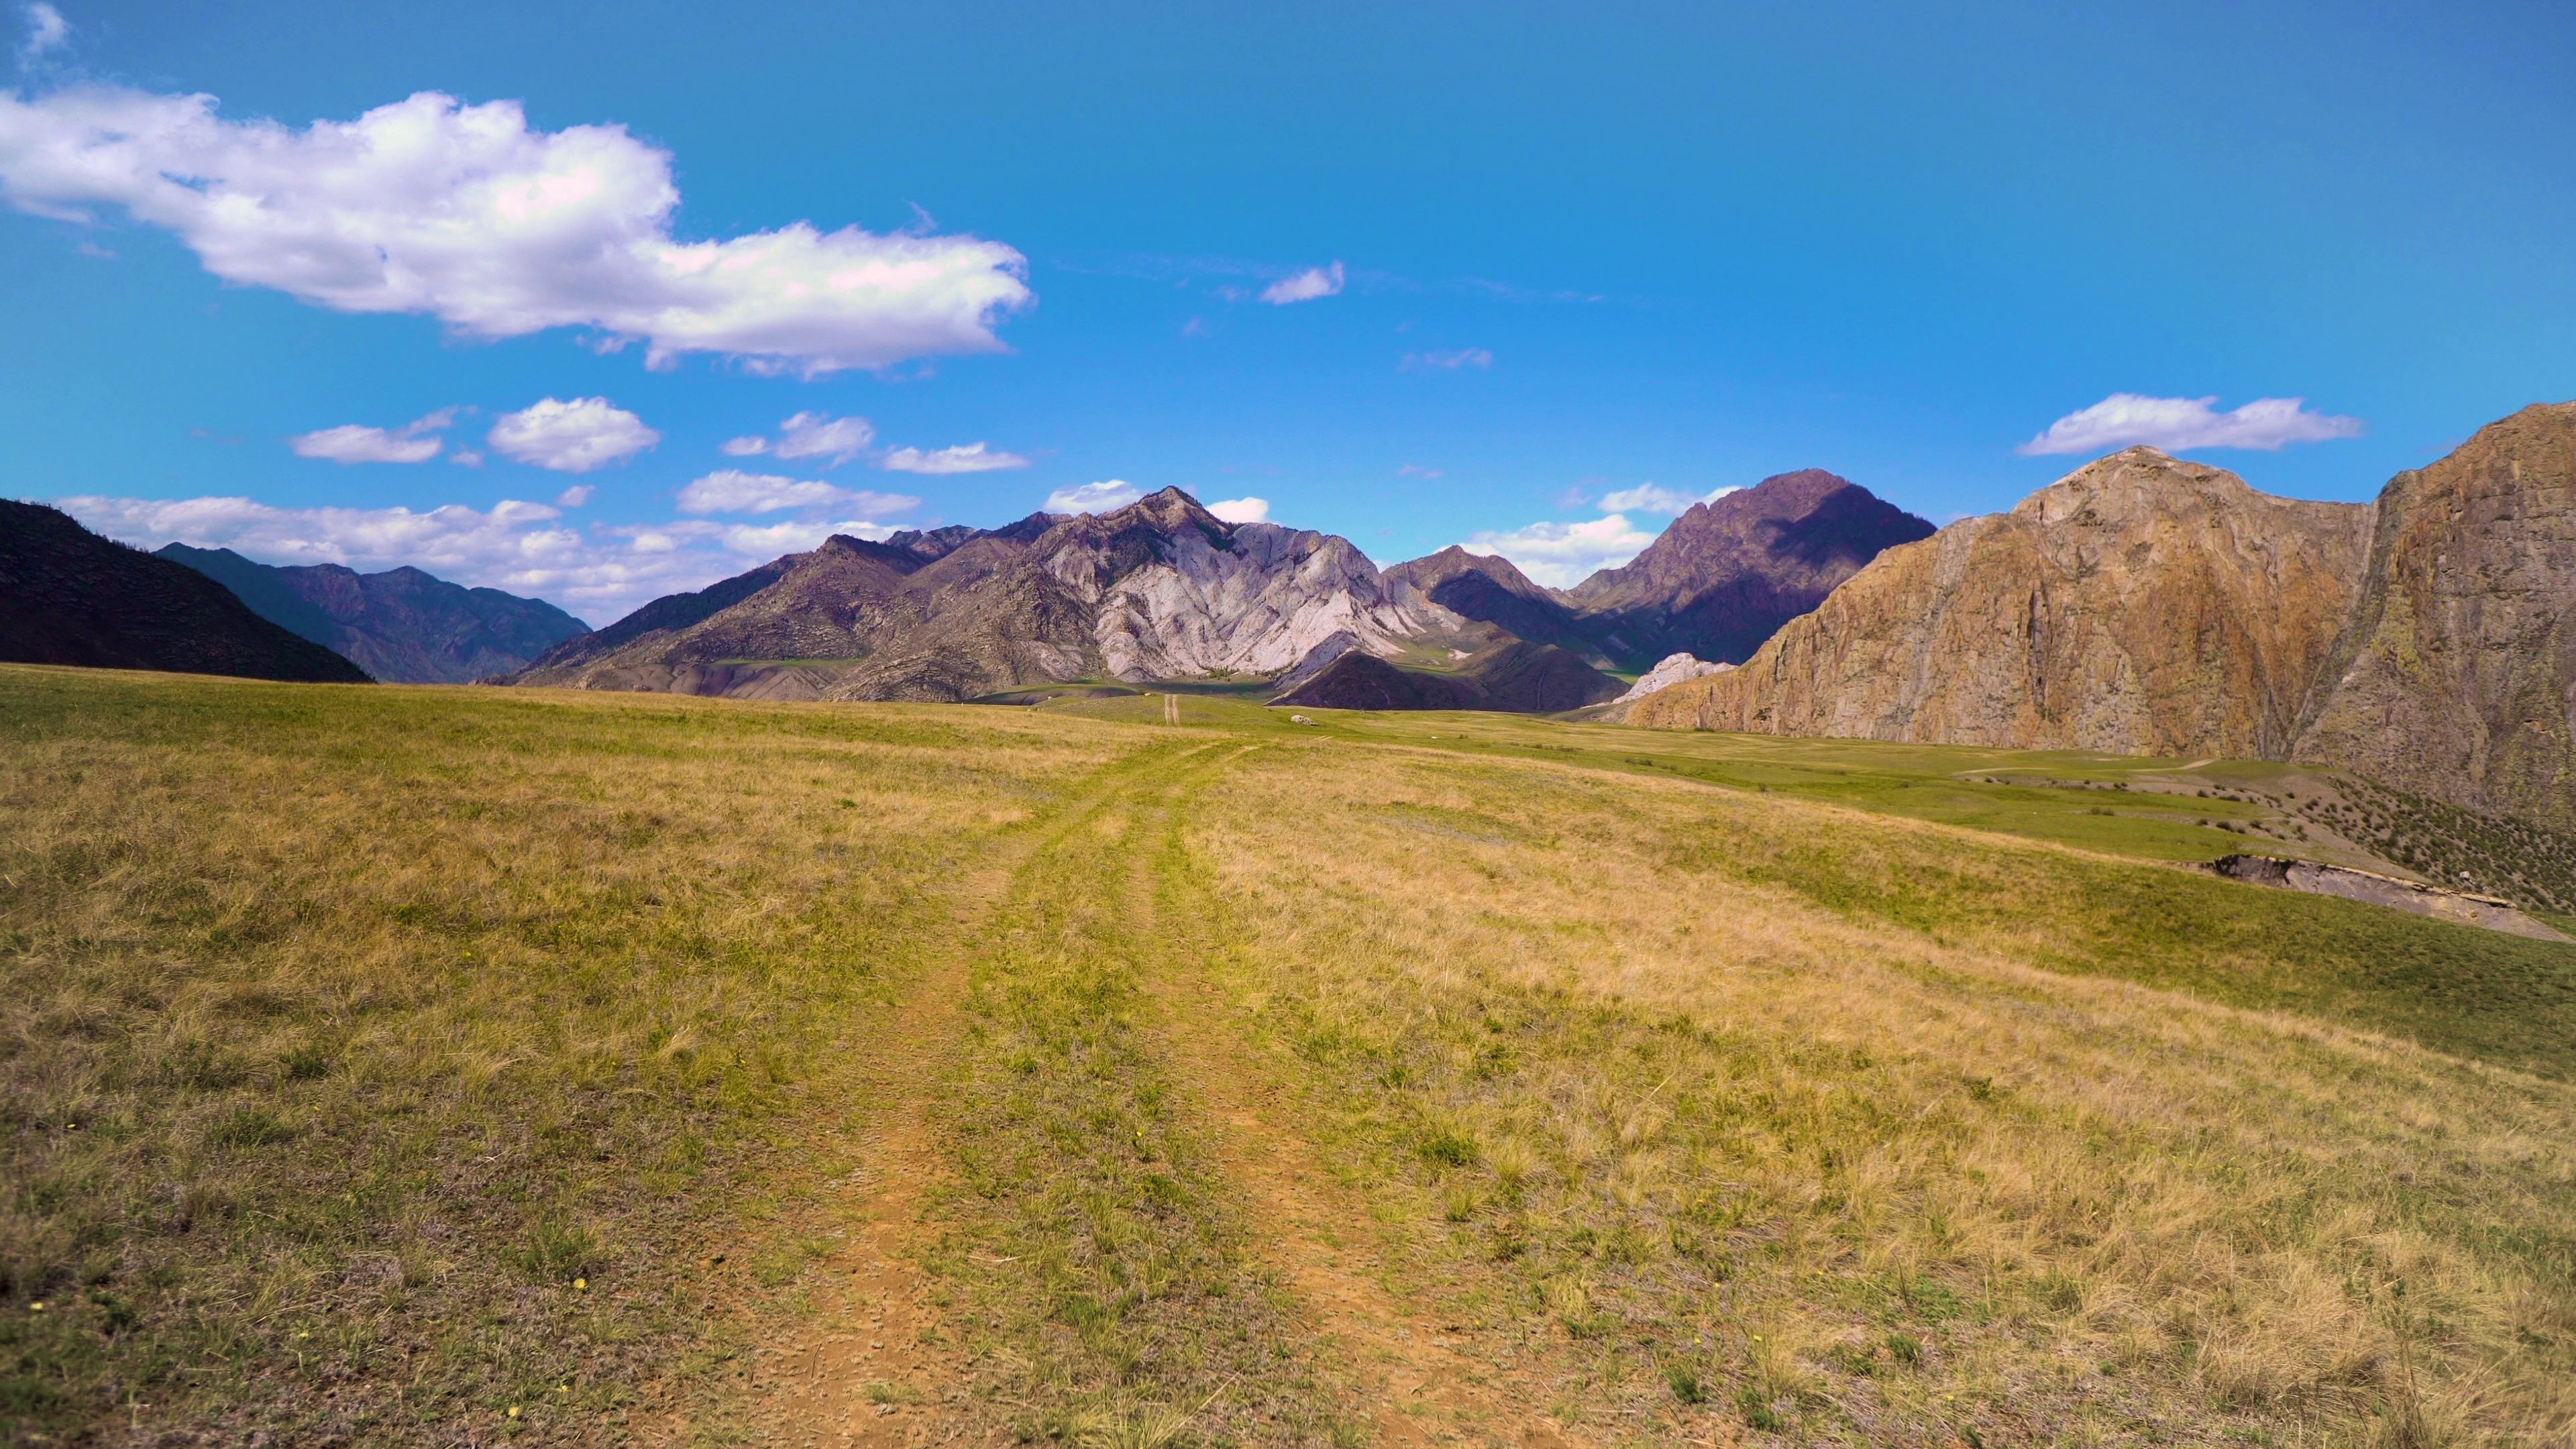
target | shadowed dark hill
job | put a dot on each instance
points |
(1728, 573)
(68, 596)
(402, 624)
(1489, 590)
(1517, 677)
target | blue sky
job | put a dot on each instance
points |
(1551, 256)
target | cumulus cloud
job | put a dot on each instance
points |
(1241, 510)
(463, 213)
(2177, 424)
(1651, 498)
(1305, 286)
(1560, 555)
(1104, 497)
(575, 496)
(571, 437)
(46, 30)
(414, 442)
(1446, 361)
(963, 458)
(731, 490)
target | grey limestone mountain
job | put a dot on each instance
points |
(1160, 589)
(402, 624)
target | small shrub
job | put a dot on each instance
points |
(304, 1063)
(1748, 1402)
(1447, 1148)
(555, 1251)
(1905, 1348)
(249, 1127)
(1684, 1381)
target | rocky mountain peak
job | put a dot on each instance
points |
(1728, 572)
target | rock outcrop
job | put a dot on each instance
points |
(401, 625)
(2456, 677)
(2141, 605)
(1726, 574)
(68, 596)
(1672, 669)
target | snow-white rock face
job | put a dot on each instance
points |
(1671, 670)
(1253, 602)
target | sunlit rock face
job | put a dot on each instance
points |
(2456, 677)
(2142, 604)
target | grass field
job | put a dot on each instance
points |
(440, 1066)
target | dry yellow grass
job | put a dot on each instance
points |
(378, 1061)
(1881, 1186)
(373, 1059)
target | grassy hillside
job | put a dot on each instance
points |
(416, 1066)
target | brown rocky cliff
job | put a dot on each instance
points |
(2141, 604)
(2457, 675)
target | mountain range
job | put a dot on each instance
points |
(68, 596)
(2147, 605)
(401, 625)
(1164, 590)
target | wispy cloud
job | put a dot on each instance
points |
(1561, 555)
(962, 458)
(47, 30)
(414, 442)
(1305, 286)
(2179, 424)
(810, 435)
(467, 214)
(1651, 498)
(731, 490)
(571, 437)
(1416, 470)
(1446, 361)
(1104, 497)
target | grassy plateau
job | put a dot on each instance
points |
(459, 1066)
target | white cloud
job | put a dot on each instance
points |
(355, 443)
(963, 458)
(1560, 555)
(1103, 497)
(571, 437)
(2176, 424)
(730, 490)
(1446, 361)
(1305, 286)
(466, 457)
(1651, 498)
(46, 30)
(744, 447)
(463, 213)
(575, 496)
(814, 435)
(1241, 510)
